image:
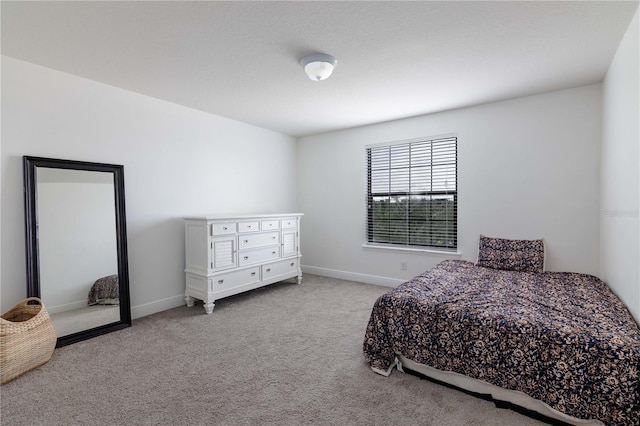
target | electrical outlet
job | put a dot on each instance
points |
(403, 265)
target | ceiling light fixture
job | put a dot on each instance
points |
(318, 66)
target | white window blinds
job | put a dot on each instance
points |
(412, 193)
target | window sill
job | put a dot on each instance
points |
(411, 249)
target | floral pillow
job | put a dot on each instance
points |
(105, 291)
(512, 255)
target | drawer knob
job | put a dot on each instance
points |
(253, 274)
(246, 258)
(220, 281)
(292, 263)
(246, 241)
(224, 228)
(248, 226)
(273, 252)
(268, 269)
(273, 238)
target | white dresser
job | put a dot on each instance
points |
(227, 255)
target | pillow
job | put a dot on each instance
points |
(105, 291)
(511, 255)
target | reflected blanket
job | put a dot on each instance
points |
(562, 338)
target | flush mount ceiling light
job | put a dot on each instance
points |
(318, 66)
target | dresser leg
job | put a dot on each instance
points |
(208, 307)
(299, 279)
(189, 301)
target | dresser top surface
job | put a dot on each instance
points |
(243, 216)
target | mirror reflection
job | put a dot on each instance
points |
(78, 251)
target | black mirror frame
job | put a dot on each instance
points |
(32, 248)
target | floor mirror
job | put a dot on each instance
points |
(76, 245)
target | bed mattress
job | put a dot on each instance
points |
(561, 338)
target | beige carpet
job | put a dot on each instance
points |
(286, 354)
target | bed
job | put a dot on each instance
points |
(558, 343)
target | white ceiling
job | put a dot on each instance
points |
(395, 59)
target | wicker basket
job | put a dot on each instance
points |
(27, 339)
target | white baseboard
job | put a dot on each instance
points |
(177, 301)
(352, 276)
(157, 306)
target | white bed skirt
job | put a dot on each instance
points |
(478, 386)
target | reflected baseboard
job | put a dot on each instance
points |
(80, 304)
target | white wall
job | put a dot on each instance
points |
(620, 184)
(528, 168)
(177, 161)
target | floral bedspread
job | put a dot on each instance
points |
(562, 338)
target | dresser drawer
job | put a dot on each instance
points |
(258, 240)
(236, 278)
(280, 268)
(289, 223)
(258, 255)
(253, 226)
(223, 228)
(269, 225)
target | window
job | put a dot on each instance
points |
(412, 197)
